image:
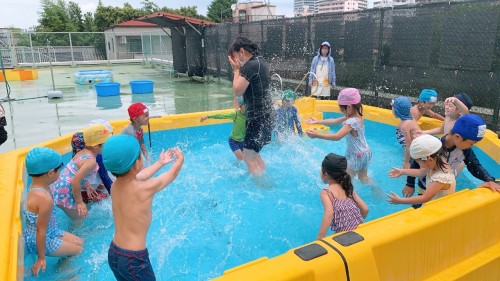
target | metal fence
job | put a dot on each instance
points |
(450, 47)
(72, 48)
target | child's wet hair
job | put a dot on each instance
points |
(438, 157)
(245, 43)
(358, 107)
(335, 167)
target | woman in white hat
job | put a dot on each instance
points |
(427, 151)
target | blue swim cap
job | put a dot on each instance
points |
(428, 95)
(470, 127)
(40, 160)
(402, 106)
(119, 153)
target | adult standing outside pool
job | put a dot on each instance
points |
(251, 80)
(322, 74)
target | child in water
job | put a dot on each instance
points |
(132, 199)
(139, 116)
(426, 101)
(429, 154)
(454, 107)
(41, 233)
(81, 170)
(343, 209)
(358, 152)
(239, 126)
(407, 128)
(287, 115)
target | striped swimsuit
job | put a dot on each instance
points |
(346, 214)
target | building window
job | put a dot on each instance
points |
(243, 15)
(134, 45)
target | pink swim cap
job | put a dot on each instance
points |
(349, 96)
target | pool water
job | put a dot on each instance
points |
(214, 216)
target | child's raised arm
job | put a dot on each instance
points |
(42, 223)
(165, 158)
(330, 121)
(459, 104)
(334, 137)
(165, 179)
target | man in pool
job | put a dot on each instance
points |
(131, 201)
(467, 131)
(251, 79)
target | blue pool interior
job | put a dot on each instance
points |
(214, 216)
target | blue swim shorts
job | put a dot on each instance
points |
(130, 265)
(235, 145)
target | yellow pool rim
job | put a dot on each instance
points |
(13, 175)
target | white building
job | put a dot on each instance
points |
(254, 11)
(332, 6)
(304, 7)
(132, 39)
(392, 3)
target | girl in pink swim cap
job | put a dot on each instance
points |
(358, 153)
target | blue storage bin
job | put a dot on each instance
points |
(107, 89)
(141, 86)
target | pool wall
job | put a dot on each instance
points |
(417, 240)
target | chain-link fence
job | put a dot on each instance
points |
(450, 47)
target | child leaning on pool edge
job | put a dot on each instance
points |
(40, 233)
(131, 201)
(429, 154)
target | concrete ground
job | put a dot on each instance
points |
(33, 118)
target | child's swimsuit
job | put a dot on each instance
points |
(445, 178)
(62, 189)
(358, 153)
(400, 137)
(287, 120)
(346, 214)
(52, 240)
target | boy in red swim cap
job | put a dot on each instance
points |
(139, 116)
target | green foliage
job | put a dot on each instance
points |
(220, 9)
(149, 7)
(107, 16)
(55, 17)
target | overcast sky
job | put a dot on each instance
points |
(24, 13)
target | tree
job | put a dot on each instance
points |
(107, 16)
(220, 9)
(149, 7)
(75, 16)
(54, 17)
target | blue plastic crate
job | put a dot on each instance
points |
(142, 86)
(107, 89)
